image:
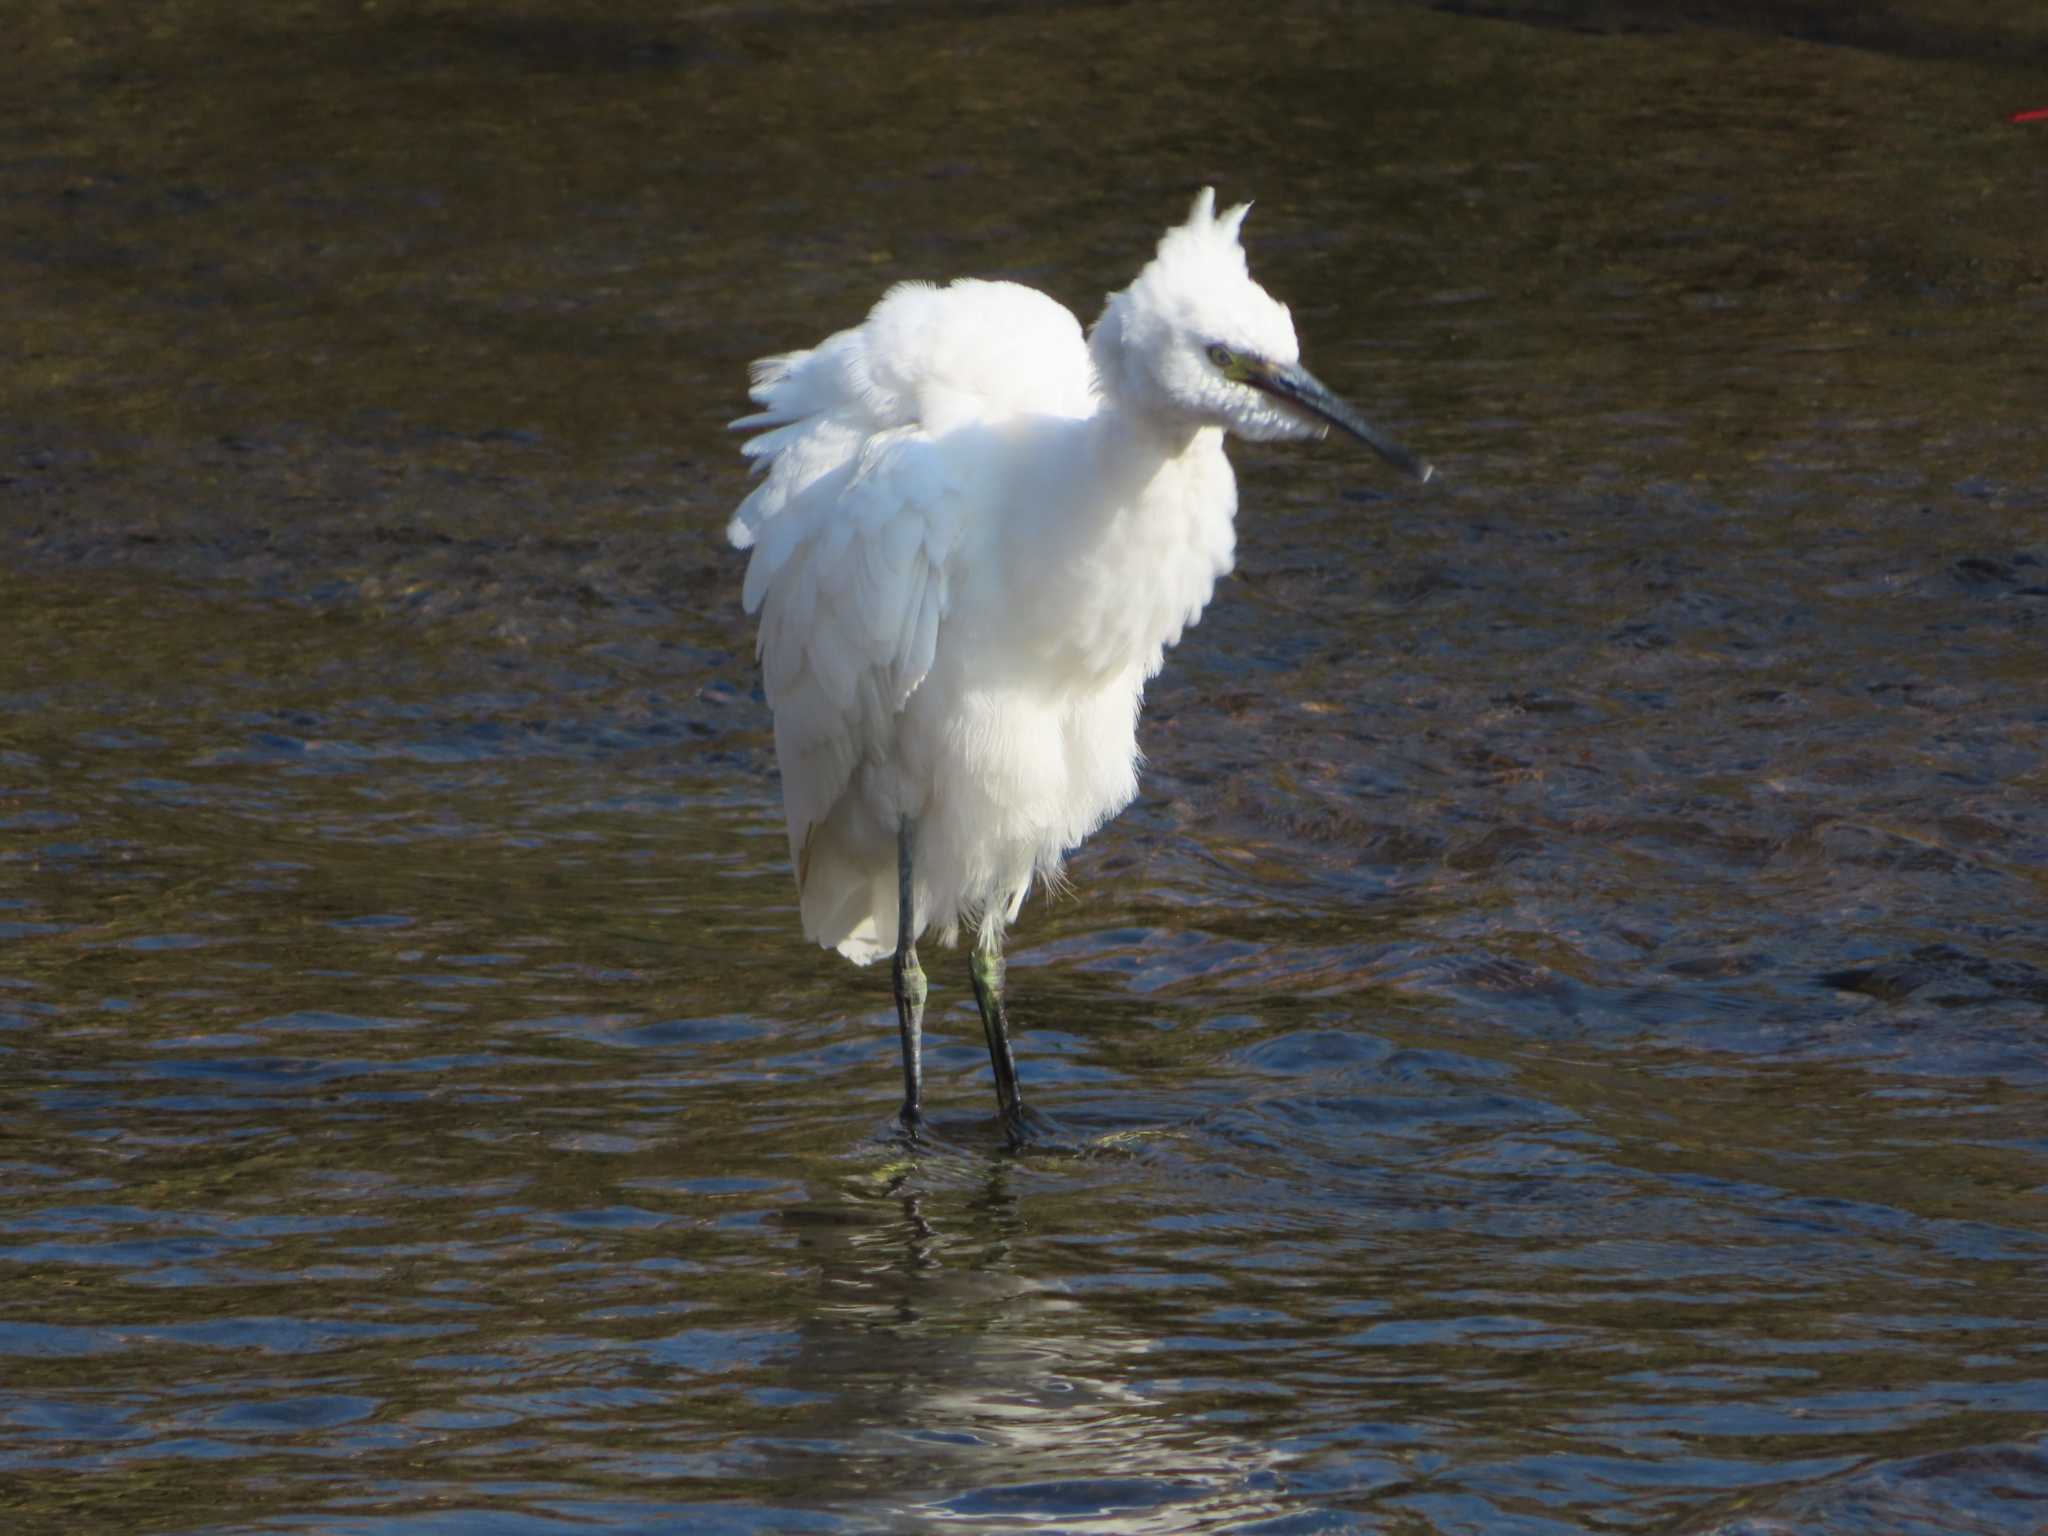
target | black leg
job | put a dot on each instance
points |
(988, 996)
(910, 988)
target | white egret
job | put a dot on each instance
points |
(977, 535)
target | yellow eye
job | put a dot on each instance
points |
(1222, 356)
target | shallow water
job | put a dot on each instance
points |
(1561, 1043)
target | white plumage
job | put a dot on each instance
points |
(977, 535)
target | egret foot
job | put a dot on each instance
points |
(1025, 1129)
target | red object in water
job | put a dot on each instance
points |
(2038, 115)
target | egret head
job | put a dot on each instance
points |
(1195, 340)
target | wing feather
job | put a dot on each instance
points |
(924, 638)
(859, 510)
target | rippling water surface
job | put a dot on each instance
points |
(1561, 1043)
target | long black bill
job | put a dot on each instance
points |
(1303, 390)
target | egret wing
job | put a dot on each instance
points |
(925, 357)
(851, 583)
(862, 506)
